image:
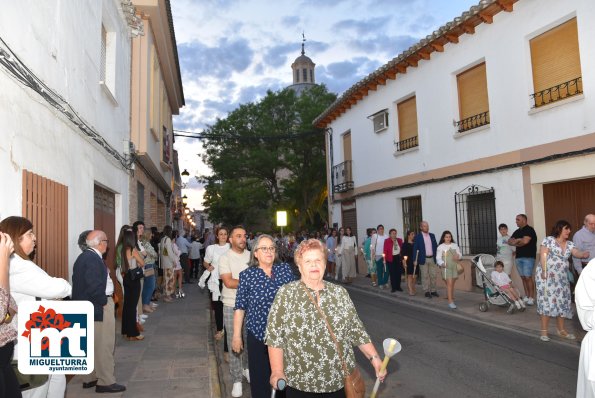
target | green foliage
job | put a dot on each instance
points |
(266, 156)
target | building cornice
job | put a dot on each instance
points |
(449, 33)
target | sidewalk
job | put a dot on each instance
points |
(176, 358)
(468, 307)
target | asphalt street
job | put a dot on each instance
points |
(446, 356)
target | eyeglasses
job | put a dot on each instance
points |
(267, 249)
(104, 240)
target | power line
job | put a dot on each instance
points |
(211, 136)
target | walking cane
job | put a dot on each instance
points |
(415, 267)
(281, 383)
(391, 347)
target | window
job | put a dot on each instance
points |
(103, 66)
(45, 204)
(311, 76)
(556, 65)
(305, 75)
(475, 208)
(140, 200)
(297, 75)
(473, 98)
(107, 61)
(407, 114)
(411, 214)
(155, 94)
(165, 146)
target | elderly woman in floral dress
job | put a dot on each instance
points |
(301, 349)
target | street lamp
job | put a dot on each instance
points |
(282, 220)
(184, 200)
(185, 176)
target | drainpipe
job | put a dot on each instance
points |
(330, 181)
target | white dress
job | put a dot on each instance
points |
(584, 294)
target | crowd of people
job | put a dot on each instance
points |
(275, 307)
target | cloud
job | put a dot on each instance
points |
(228, 56)
(291, 21)
(276, 56)
(363, 27)
(388, 46)
(339, 76)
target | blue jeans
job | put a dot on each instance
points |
(148, 285)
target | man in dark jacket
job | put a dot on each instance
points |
(91, 282)
(424, 254)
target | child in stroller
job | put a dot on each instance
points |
(503, 281)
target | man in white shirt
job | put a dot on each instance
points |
(231, 264)
(377, 249)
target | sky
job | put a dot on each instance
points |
(232, 51)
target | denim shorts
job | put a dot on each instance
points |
(525, 266)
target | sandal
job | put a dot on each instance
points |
(565, 335)
(544, 336)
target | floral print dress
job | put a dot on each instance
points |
(553, 294)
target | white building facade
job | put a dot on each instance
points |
(65, 107)
(488, 117)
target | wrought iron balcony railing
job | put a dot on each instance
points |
(472, 122)
(406, 144)
(557, 93)
(342, 177)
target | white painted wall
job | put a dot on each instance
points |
(60, 42)
(504, 45)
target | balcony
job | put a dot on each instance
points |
(557, 93)
(342, 177)
(406, 144)
(472, 122)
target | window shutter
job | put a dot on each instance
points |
(555, 56)
(473, 91)
(407, 113)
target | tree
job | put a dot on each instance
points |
(267, 155)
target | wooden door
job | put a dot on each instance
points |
(570, 201)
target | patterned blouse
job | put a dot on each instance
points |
(256, 293)
(8, 332)
(309, 354)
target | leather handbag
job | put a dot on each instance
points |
(135, 273)
(149, 272)
(354, 383)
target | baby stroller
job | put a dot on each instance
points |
(492, 293)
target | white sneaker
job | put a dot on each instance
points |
(530, 301)
(144, 316)
(236, 391)
(522, 304)
(246, 373)
(525, 299)
(518, 304)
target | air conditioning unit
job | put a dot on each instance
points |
(380, 122)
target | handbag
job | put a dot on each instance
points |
(135, 273)
(354, 383)
(27, 382)
(149, 272)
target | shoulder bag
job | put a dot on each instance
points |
(354, 383)
(135, 273)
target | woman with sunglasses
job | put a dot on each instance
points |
(258, 286)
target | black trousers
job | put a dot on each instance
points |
(185, 266)
(9, 386)
(260, 368)
(131, 295)
(195, 268)
(293, 393)
(395, 269)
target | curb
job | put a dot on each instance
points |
(458, 314)
(216, 381)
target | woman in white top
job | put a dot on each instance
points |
(447, 255)
(348, 253)
(27, 282)
(211, 264)
(167, 260)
